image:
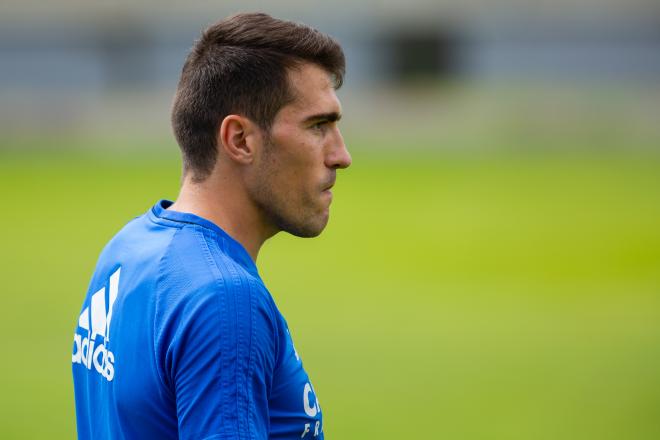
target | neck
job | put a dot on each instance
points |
(226, 204)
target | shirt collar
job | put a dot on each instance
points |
(233, 248)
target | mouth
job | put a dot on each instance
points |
(327, 192)
(329, 186)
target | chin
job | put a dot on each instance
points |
(308, 229)
(306, 233)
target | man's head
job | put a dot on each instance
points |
(240, 66)
(259, 93)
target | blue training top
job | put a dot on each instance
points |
(179, 338)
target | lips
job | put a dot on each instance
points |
(326, 191)
(329, 184)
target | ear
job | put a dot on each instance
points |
(236, 138)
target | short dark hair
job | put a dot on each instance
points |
(240, 66)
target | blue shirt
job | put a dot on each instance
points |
(179, 338)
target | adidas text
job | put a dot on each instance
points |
(90, 345)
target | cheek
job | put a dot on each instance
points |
(296, 164)
(283, 181)
(300, 172)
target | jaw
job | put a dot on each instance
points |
(305, 222)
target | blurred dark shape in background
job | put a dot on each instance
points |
(421, 54)
(125, 50)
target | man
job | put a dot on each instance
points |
(178, 337)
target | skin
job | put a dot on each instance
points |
(263, 183)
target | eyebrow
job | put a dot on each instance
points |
(330, 117)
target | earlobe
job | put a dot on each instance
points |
(234, 138)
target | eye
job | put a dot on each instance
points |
(319, 126)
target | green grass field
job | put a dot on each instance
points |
(451, 297)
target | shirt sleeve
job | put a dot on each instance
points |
(220, 354)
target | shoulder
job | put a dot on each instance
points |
(211, 309)
(199, 283)
(197, 264)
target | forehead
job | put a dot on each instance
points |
(313, 91)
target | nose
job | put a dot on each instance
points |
(338, 156)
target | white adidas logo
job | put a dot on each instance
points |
(84, 350)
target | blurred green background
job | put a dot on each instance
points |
(452, 296)
(491, 269)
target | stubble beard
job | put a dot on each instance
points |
(296, 214)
